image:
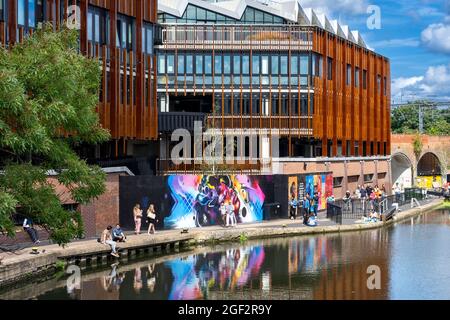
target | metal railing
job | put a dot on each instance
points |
(354, 209)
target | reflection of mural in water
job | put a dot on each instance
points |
(309, 254)
(198, 199)
(193, 277)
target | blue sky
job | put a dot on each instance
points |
(414, 35)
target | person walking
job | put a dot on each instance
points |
(306, 207)
(29, 228)
(363, 193)
(231, 215)
(224, 215)
(315, 205)
(151, 219)
(107, 239)
(137, 215)
(293, 208)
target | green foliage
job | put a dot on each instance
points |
(243, 237)
(60, 265)
(405, 119)
(417, 145)
(48, 97)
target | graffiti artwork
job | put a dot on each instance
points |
(323, 185)
(197, 199)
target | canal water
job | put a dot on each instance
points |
(410, 260)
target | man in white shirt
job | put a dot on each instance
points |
(28, 227)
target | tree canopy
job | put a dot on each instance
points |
(436, 121)
(48, 99)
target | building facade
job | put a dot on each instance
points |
(121, 35)
(272, 68)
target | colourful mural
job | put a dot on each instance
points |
(198, 199)
(322, 184)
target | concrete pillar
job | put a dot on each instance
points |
(345, 177)
(376, 172)
(361, 175)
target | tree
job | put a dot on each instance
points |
(405, 119)
(48, 97)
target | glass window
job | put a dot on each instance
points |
(170, 63)
(180, 64)
(349, 75)
(284, 64)
(201, 14)
(162, 64)
(275, 105)
(149, 40)
(21, 12)
(31, 13)
(379, 83)
(218, 64)
(275, 65)
(304, 64)
(208, 64)
(1, 10)
(259, 17)
(265, 64)
(237, 64)
(255, 64)
(199, 64)
(357, 77)
(284, 105)
(190, 12)
(211, 16)
(97, 27)
(89, 27)
(245, 64)
(294, 65)
(320, 66)
(294, 105)
(226, 64)
(255, 105)
(364, 79)
(189, 64)
(304, 105)
(330, 68)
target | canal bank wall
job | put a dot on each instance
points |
(24, 265)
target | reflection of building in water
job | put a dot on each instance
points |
(346, 274)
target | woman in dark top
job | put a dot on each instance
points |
(151, 219)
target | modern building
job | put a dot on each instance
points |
(278, 69)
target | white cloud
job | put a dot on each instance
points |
(433, 84)
(393, 43)
(437, 36)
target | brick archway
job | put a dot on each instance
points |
(402, 170)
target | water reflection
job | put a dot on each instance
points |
(316, 267)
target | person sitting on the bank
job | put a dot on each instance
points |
(29, 228)
(107, 239)
(118, 234)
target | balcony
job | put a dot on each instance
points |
(240, 37)
(301, 125)
(170, 121)
(198, 166)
